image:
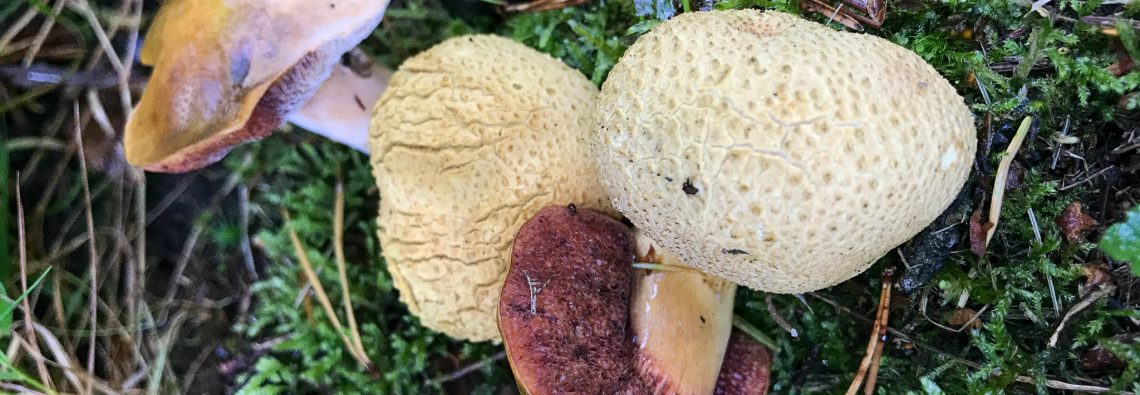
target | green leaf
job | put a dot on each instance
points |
(5, 259)
(1122, 241)
(7, 308)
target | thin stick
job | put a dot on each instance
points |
(870, 361)
(93, 265)
(1051, 383)
(1003, 173)
(469, 368)
(243, 224)
(779, 318)
(42, 34)
(338, 249)
(1048, 277)
(311, 275)
(139, 284)
(22, 249)
(1081, 305)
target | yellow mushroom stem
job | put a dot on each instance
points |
(681, 322)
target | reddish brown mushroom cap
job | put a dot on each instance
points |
(561, 326)
(227, 72)
(746, 369)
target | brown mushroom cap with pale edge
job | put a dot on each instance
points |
(472, 137)
(775, 152)
(228, 72)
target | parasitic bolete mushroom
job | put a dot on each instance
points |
(472, 137)
(576, 318)
(228, 72)
(775, 152)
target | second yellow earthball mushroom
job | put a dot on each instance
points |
(472, 137)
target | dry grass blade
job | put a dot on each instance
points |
(93, 254)
(42, 34)
(338, 248)
(22, 251)
(1081, 305)
(1003, 174)
(755, 333)
(154, 383)
(664, 267)
(315, 282)
(459, 373)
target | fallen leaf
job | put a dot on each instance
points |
(962, 317)
(1015, 177)
(978, 233)
(1074, 222)
(1095, 274)
(1097, 359)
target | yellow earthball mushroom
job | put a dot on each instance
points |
(472, 137)
(775, 152)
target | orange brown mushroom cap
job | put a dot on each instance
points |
(228, 72)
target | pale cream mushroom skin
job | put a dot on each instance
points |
(472, 137)
(775, 152)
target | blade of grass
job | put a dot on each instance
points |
(754, 332)
(311, 276)
(1003, 173)
(5, 258)
(93, 254)
(29, 313)
(338, 248)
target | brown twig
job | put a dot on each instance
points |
(1084, 303)
(869, 367)
(1051, 383)
(469, 368)
(775, 314)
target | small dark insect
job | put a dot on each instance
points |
(734, 252)
(572, 208)
(689, 189)
(851, 13)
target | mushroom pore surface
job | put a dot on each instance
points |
(472, 137)
(775, 152)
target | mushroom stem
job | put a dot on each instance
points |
(681, 322)
(341, 109)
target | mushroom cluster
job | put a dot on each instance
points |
(777, 154)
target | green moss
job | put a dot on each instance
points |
(1011, 284)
